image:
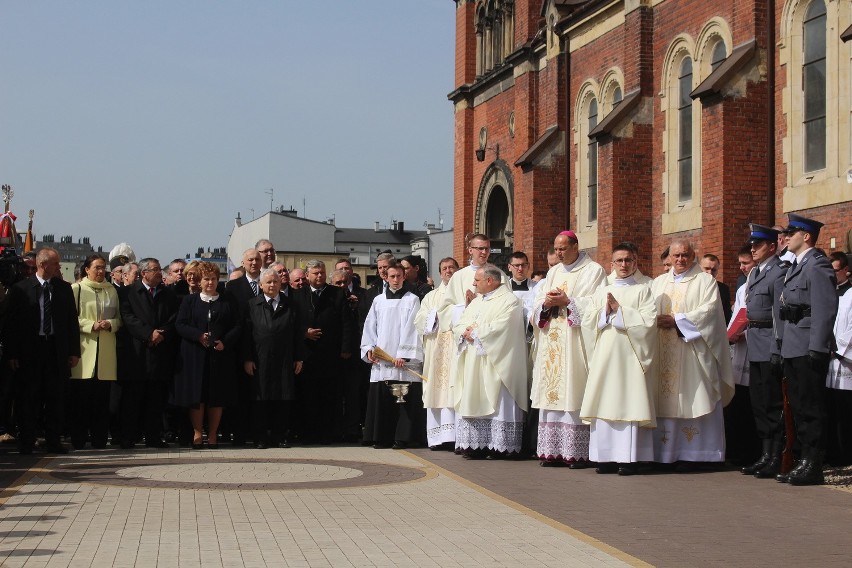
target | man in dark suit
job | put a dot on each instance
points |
(329, 337)
(808, 307)
(242, 290)
(42, 340)
(710, 264)
(148, 355)
(763, 286)
(356, 374)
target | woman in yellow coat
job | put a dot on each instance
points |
(97, 311)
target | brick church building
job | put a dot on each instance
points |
(644, 120)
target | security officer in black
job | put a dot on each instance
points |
(763, 287)
(808, 308)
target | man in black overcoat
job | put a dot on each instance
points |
(241, 291)
(42, 341)
(147, 354)
(329, 339)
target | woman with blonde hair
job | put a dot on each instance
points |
(89, 391)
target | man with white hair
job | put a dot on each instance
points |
(693, 366)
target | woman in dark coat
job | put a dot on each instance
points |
(209, 326)
(272, 355)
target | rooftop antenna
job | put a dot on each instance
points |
(270, 192)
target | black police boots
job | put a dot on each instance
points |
(811, 473)
(773, 466)
(760, 463)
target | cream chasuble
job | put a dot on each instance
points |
(454, 298)
(497, 357)
(438, 351)
(693, 372)
(619, 387)
(561, 367)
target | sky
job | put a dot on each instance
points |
(154, 123)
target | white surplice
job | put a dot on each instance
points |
(840, 370)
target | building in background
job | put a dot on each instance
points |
(648, 120)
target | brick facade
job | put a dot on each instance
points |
(562, 47)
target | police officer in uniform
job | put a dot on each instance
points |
(763, 287)
(808, 307)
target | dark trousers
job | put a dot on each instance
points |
(41, 391)
(270, 421)
(320, 400)
(767, 401)
(389, 421)
(806, 391)
(839, 426)
(742, 445)
(89, 411)
(7, 394)
(238, 419)
(354, 395)
(142, 410)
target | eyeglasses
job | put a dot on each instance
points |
(518, 266)
(480, 249)
(623, 261)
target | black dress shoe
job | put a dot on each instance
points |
(381, 446)
(260, 446)
(399, 445)
(581, 464)
(607, 468)
(157, 444)
(552, 463)
(198, 445)
(628, 469)
(285, 443)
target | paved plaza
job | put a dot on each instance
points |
(354, 506)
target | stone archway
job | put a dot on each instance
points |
(495, 211)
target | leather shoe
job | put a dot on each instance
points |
(785, 477)
(399, 445)
(198, 445)
(685, 467)
(260, 446)
(157, 444)
(627, 469)
(582, 464)
(765, 457)
(285, 443)
(607, 468)
(552, 463)
(811, 472)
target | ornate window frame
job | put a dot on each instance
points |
(587, 230)
(827, 186)
(679, 215)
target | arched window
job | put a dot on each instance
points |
(814, 85)
(616, 96)
(684, 109)
(495, 34)
(592, 161)
(720, 53)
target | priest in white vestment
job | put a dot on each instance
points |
(439, 355)
(693, 365)
(840, 370)
(390, 326)
(460, 291)
(490, 389)
(619, 399)
(561, 364)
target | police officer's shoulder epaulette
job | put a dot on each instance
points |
(818, 254)
(785, 264)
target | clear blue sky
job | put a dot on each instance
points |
(156, 122)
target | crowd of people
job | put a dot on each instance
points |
(576, 367)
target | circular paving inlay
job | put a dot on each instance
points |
(236, 474)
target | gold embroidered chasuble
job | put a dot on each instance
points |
(692, 377)
(499, 323)
(561, 365)
(619, 387)
(438, 351)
